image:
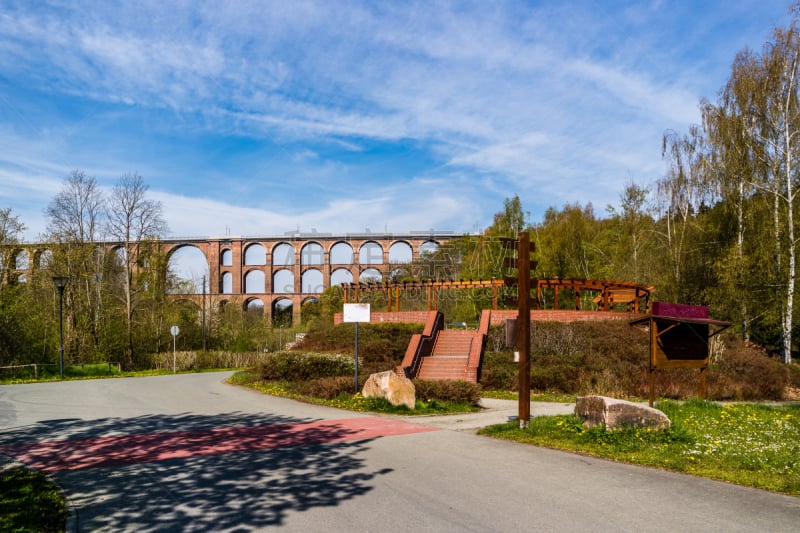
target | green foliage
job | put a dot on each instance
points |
(304, 366)
(95, 370)
(331, 301)
(310, 312)
(499, 372)
(381, 346)
(510, 221)
(330, 387)
(448, 390)
(30, 502)
(566, 243)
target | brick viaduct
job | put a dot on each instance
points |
(272, 272)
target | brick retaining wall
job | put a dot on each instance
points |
(411, 317)
(545, 315)
(500, 316)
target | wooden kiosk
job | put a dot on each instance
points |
(679, 336)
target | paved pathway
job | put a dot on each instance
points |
(190, 453)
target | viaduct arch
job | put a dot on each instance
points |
(294, 267)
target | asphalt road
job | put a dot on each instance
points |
(191, 453)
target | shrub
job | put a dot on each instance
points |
(383, 343)
(611, 358)
(196, 360)
(499, 372)
(553, 375)
(330, 387)
(303, 366)
(556, 339)
(496, 338)
(448, 391)
(765, 379)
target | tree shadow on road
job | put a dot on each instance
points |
(234, 472)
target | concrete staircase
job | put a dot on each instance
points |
(439, 353)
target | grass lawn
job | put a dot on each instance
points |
(749, 444)
(536, 396)
(94, 371)
(30, 502)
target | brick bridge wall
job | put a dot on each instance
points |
(296, 267)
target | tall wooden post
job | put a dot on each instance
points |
(524, 328)
(652, 365)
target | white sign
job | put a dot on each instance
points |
(174, 330)
(356, 312)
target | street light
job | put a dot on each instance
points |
(60, 282)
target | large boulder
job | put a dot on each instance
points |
(399, 390)
(618, 414)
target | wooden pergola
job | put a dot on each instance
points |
(607, 293)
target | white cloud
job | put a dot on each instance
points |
(420, 207)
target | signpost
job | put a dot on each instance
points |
(356, 313)
(174, 330)
(519, 259)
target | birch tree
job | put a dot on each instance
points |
(735, 166)
(74, 226)
(132, 221)
(760, 114)
(679, 196)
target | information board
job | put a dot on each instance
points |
(356, 313)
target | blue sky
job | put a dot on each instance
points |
(259, 118)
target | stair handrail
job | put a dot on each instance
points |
(421, 345)
(475, 361)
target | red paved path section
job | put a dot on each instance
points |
(55, 456)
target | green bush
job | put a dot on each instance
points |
(499, 372)
(767, 379)
(330, 387)
(548, 375)
(382, 343)
(304, 366)
(448, 391)
(200, 360)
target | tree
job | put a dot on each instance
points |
(510, 221)
(734, 166)
(11, 331)
(132, 221)
(680, 197)
(760, 112)
(566, 243)
(10, 230)
(75, 212)
(74, 226)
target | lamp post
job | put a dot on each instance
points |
(60, 282)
